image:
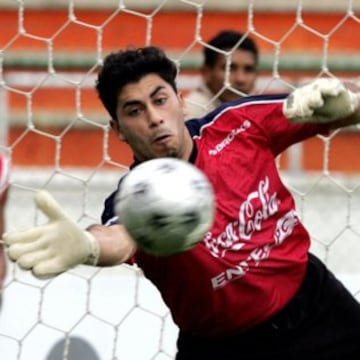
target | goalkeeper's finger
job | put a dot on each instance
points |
(49, 206)
(48, 268)
(15, 251)
(29, 260)
(315, 99)
(22, 237)
(329, 86)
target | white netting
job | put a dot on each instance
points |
(49, 56)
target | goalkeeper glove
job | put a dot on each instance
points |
(322, 101)
(54, 247)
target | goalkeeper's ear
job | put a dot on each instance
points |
(114, 124)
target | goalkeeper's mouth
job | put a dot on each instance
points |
(161, 139)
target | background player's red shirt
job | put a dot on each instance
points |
(252, 261)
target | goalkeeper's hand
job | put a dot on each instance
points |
(55, 247)
(322, 101)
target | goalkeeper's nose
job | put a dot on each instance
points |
(155, 115)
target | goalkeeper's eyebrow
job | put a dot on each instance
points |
(137, 102)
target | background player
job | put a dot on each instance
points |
(242, 73)
(250, 288)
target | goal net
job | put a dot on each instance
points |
(56, 134)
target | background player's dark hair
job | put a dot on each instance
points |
(226, 40)
(129, 66)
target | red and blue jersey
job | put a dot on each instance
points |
(253, 260)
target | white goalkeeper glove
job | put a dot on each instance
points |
(55, 247)
(322, 101)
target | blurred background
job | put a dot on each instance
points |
(55, 131)
(50, 52)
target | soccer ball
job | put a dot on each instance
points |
(166, 205)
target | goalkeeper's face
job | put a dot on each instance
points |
(151, 119)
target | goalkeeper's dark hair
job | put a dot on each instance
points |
(129, 66)
(227, 40)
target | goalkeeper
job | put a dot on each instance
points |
(250, 289)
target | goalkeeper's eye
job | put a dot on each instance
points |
(134, 112)
(161, 100)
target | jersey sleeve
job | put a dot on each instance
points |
(108, 216)
(280, 132)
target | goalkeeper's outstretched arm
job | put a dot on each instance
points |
(61, 244)
(325, 100)
(115, 244)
